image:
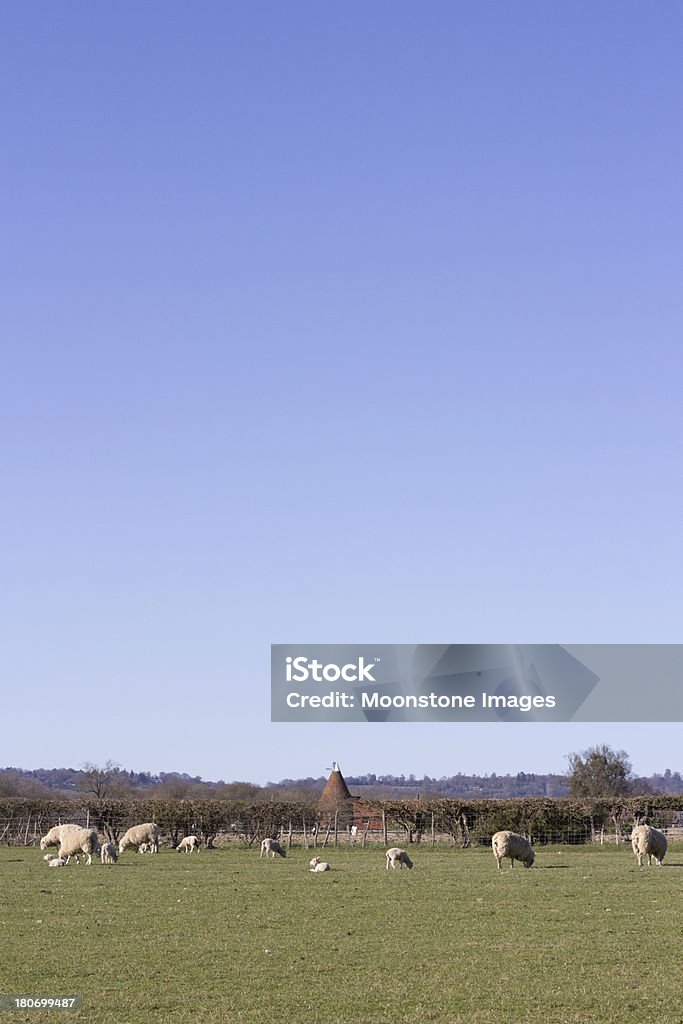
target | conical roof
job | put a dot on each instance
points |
(336, 792)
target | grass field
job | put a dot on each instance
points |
(222, 936)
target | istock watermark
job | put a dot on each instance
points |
(299, 670)
(380, 683)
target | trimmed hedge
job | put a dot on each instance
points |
(467, 822)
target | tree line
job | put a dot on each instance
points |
(594, 772)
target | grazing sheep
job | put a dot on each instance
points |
(76, 840)
(138, 834)
(57, 862)
(398, 856)
(54, 836)
(319, 865)
(72, 840)
(648, 842)
(188, 844)
(514, 846)
(108, 853)
(271, 846)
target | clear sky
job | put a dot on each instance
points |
(331, 323)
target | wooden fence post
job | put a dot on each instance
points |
(465, 832)
(336, 818)
(433, 836)
(384, 828)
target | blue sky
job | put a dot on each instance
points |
(331, 323)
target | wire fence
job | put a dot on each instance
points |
(28, 831)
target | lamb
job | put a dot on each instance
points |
(648, 842)
(398, 856)
(271, 846)
(146, 833)
(54, 862)
(144, 848)
(72, 841)
(188, 844)
(514, 846)
(319, 865)
(108, 853)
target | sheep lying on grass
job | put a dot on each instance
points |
(108, 853)
(56, 862)
(271, 846)
(648, 842)
(188, 844)
(72, 841)
(137, 835)
(514, 846)
(398, 856)
(319, 865)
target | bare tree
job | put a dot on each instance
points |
(101, 782)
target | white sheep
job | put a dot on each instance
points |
(53, 861)
(648, 842)
(108, 853)
(77, 840)
(54, 837)
(188, 844)
(398, 856)
(514, 846)
(72, 841)
(319, 865)
(138, 834)
(271, 846)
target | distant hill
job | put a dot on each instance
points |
(119, 782)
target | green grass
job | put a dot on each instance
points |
(223, 936)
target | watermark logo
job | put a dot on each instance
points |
(299, 670)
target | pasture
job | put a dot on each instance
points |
(584, 936)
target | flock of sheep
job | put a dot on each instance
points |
(74, 841)
(395, 856)
(646, 841)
